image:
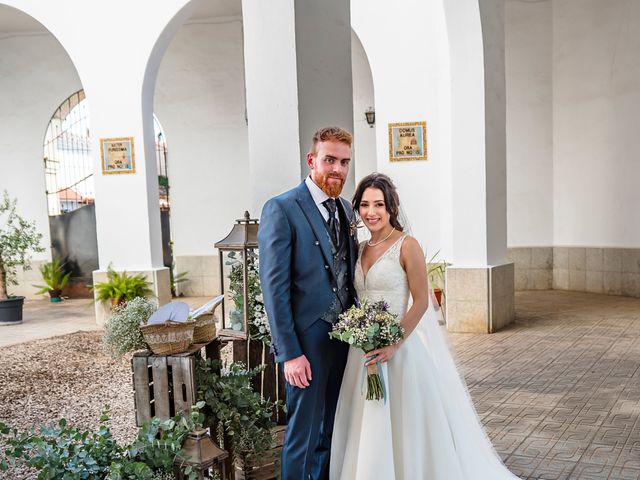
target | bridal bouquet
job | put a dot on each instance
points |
(369, 326)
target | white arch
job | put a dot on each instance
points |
(29, 96)
(363, 98)
(469, 135)
(153, 64)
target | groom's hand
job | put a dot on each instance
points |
(297, 371)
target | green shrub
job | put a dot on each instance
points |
(53, 276)
(67, 453)
(235, 409)
(122, 287)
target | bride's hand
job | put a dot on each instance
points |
(382, 354)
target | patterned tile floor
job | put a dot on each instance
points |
(559, 390)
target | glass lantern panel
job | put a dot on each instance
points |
(233, 276)
(257, 317)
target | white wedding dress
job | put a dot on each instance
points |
(427, 429)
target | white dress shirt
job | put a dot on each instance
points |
(318, 197)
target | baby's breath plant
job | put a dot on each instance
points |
(122, 331)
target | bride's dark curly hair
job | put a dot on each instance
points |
(391, 200)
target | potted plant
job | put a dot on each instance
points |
(54, 279)
(18, 237)
(436, 273)
(122, 287)
(175, 280)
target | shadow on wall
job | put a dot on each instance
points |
(74, 240)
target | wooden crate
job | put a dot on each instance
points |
(268, 466)
(164, 384)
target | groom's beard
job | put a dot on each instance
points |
(332, 189)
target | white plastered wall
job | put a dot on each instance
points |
(407, 66)
(199, 101)
(364, 136)
(36, 76)
(528, 38)
(573, 97)
(596, 113)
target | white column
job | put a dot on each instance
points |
(127, 205)
(127, 212)
(480, 283)
(298, 79)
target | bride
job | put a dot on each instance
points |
(427, 427)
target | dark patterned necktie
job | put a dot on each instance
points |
(330, 205)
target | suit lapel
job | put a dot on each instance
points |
(317, 223)
(353, 242)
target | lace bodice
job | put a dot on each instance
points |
(385, 280)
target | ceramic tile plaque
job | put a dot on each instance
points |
(407, 141)
(117, 155)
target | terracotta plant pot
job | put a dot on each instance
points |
(438, 293)
(115, 303)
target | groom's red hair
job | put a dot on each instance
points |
(326, 134)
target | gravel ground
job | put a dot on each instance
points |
(68, 376)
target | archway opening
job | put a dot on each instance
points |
(70, 191)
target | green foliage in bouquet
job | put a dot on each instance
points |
(53, 277)
(234, 410)
(65, 452)
(368, 326)
(122, 332)
(122, 287)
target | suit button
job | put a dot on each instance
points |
(326, 267)
(334, 289)
(344, 258)
(317, 243)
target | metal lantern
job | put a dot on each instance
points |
(370, 115)
(237, 252)
(199, 452)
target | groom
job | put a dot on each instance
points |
(307, 258)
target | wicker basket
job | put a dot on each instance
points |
(168, 338)
(205, 328)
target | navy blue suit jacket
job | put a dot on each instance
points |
(296, 266)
